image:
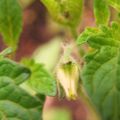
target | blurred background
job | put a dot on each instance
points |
(41, 39)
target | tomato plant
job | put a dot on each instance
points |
(96, 82)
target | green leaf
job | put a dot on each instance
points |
(2, 116)
(101, 12)
(54, 9)
(16, 104)
(101, 72)
(10, 21)
(13, 70)
(41, 80)
(83, 37)
(72, 10)
(67, 12)
(115, 4)
(98, 41)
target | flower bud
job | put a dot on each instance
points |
(68, 78)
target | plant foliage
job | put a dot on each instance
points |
(99, 76)
(40, 80)
(10, 21)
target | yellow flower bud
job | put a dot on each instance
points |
(68, 78)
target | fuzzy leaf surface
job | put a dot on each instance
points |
(16, 104)
(101, 72)
(10, 21)
(41, 80)
(13, 70)
(67, 12)
(101, 12)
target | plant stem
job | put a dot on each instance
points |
(12, 55)
(74, 32)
